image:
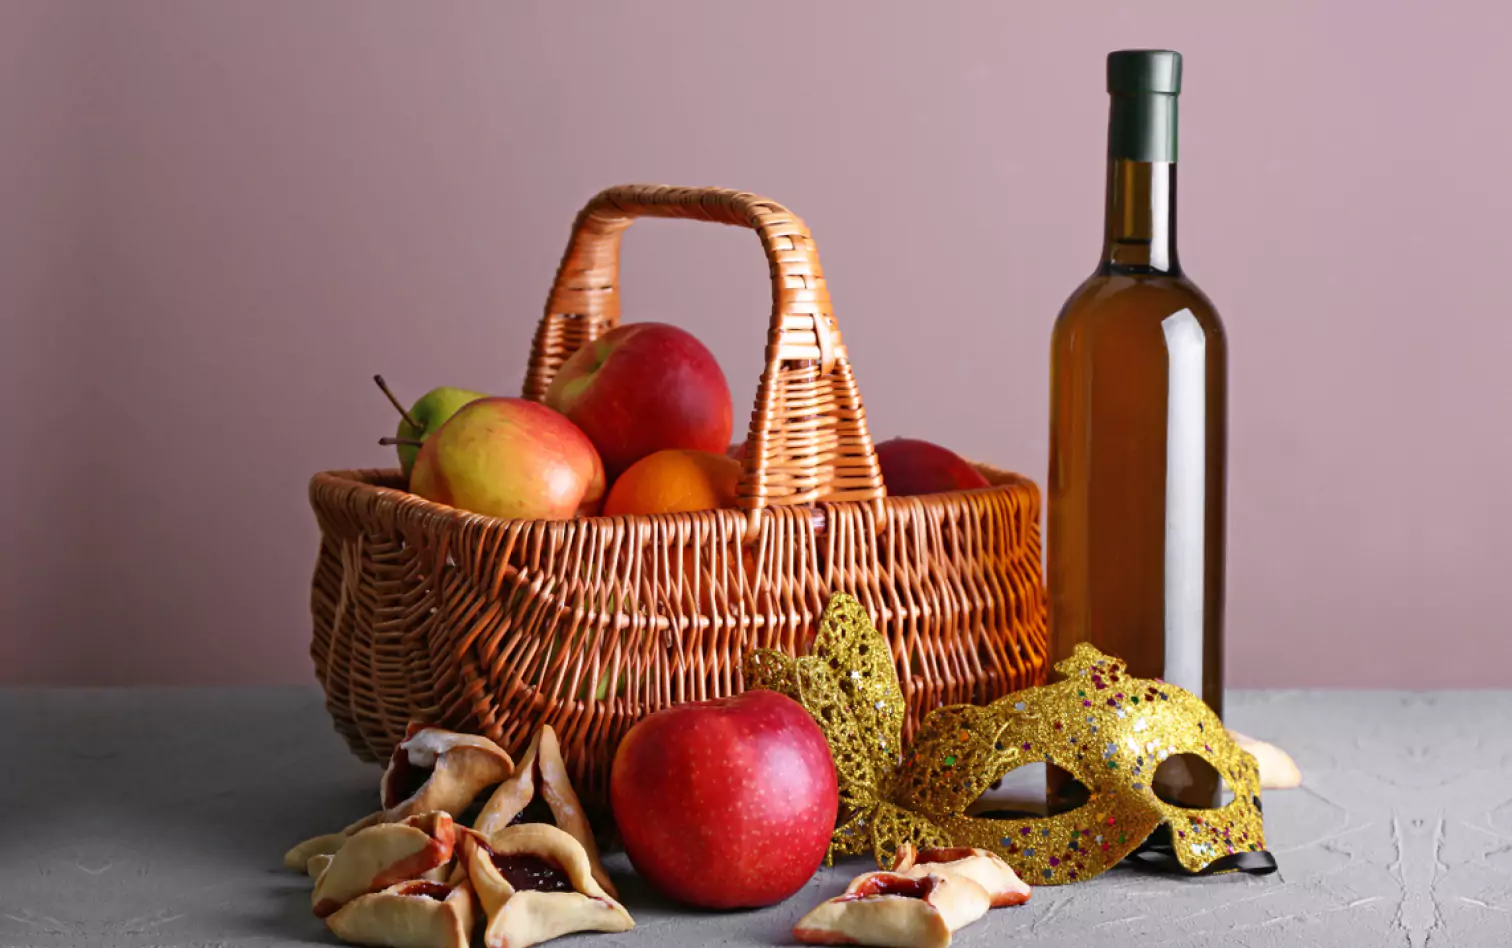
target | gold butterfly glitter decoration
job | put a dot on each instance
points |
(1107, 729)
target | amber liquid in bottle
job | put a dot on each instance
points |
(1138, 432)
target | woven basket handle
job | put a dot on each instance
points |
(808, 440)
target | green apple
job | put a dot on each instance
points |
(424, 417)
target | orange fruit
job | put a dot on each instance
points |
(674, 481)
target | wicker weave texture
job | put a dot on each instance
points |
(424, 612)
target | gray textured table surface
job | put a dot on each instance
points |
(156, 818)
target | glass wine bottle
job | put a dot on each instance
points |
(1138, 427)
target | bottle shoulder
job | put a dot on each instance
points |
(1142, 297)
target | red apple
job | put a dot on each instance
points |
(642, 388)
(910, 466)
(507, 457)
(726, 804)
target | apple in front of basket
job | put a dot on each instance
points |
(726, 804)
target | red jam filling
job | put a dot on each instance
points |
(403, 780)
(526, 871)
(427, 890)
(892, 885)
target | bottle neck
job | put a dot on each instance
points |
(1140, 229)
(1140, 235)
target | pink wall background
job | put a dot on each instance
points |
(220, 219)
(50, 471)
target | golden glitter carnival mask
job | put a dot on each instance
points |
(1108, 730)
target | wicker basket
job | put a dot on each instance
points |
(425, 612)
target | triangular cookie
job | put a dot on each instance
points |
(417, 848)
(542, 776)
(535, 883)
(413, 914)
(895, 911)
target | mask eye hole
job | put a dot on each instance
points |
(1190, 782)
(1032, 790)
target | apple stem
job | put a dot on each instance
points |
(383, 386)
(408, 442)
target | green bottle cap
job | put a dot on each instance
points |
(1143, 84)
(1136, 71)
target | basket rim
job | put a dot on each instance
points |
(367, 481)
